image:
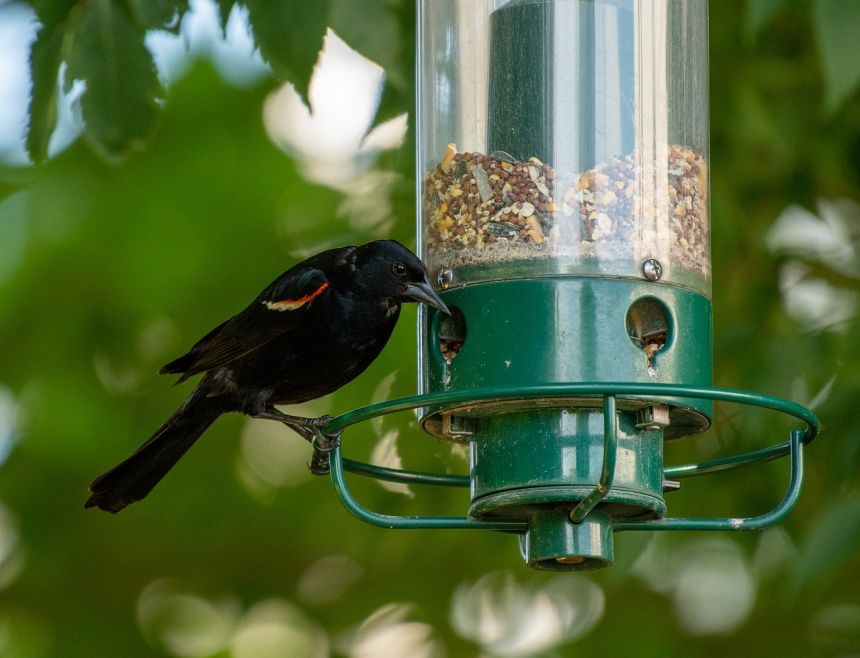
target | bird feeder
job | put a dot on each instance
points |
(562, 174)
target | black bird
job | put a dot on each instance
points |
(312, 330)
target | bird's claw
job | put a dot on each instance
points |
(321, 459)
(323, 445)
(323, 442)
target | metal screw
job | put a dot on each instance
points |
(652, 269)
(446, 278)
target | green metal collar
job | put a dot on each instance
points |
(607, 392)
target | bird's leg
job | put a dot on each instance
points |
(258, 406)
(310, 429)
(302, 426)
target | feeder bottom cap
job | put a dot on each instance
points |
(570, 559)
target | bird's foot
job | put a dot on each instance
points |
(323, 445)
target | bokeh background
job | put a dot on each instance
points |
(111, 265)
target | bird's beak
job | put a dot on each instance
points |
(423, 292)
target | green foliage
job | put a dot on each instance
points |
(102, 41)
(289, 35)
(225, 7)
(45, 57)
(158, 14)
(832, 541)
(106, 50)
(761, 12)
(107, 272)
(836, 24)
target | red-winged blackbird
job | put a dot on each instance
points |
(315, 328)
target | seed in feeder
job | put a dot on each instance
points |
(445, 224)
(501, 229)
(545, 220)
(534, 231)
(502, 156)
(600, 205)
(448, 158)
(482, 182)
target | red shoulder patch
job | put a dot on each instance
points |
(293, 304)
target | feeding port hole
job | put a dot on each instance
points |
(452, 334)
(648, 326)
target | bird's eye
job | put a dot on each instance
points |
(399, 269)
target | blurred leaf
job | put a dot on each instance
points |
(158, 14)
(837, 24)
(289, 36)
(398, 92)
(45, 58)
(833, 539)
(109, 55)
(368, 27)
(225, 7)
(53, 12)
(760, 13)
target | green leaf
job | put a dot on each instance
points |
(52, 12)
(369, 27)
(45, 58)
(289, 36)
(225, 7)
(378, 30)
(120, 101)
(158, 14)
(837, 24)
(833, 539)
(760, 13)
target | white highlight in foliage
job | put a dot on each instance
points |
(387, 633)
(332, 138)
(715, 590)
(184, 624)
(274, 629)
(509, 619)
(328, 579)
(385, 453)
(826, 240)
(272, 457)
(710, 581)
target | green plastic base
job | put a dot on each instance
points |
(558, 330)
(554, 543)
(526, 459)
(542, 464)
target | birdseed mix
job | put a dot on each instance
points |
(493, 208)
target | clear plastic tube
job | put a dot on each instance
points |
(564, 137)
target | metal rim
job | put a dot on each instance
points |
(438, 401)
(608, 391)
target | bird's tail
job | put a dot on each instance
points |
(134, 478)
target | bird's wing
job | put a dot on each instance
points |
(281, 306)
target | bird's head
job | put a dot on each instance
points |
(391, 271)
